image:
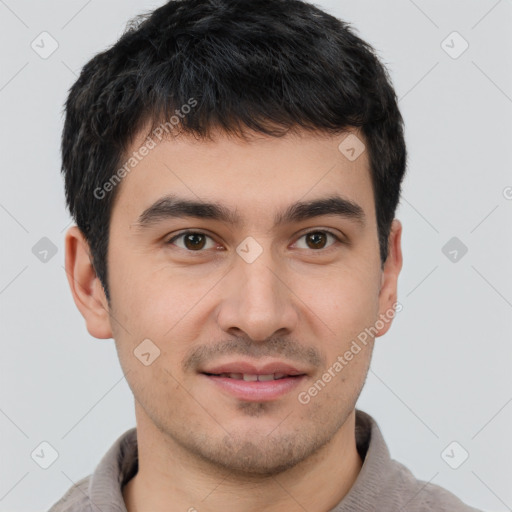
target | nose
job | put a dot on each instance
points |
(257, 301)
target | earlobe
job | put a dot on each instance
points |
(86, 288)
(389, 279)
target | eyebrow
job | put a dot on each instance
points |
(170, 206)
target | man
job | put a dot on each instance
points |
(234, 168)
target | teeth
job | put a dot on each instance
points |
(270, 376)
(249, 377)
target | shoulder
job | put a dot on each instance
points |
(76, 498)
(102, 490)
(421, 496)
(385, 484)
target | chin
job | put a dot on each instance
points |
(260, 452)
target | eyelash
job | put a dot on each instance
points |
(184, 233)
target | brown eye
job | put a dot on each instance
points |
(316, 240)
(192, 241)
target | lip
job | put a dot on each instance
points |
(255, 391)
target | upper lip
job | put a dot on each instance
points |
(254, 369)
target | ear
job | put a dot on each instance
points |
(389, 278)
(87, 290)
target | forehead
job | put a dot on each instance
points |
(255, 177)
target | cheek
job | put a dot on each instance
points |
(152, 297)
(169, 308)
(346, 299)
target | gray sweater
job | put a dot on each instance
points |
(383, 484)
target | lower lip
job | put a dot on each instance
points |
(256, 391)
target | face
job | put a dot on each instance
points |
(250, 268)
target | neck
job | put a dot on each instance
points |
(169, 478)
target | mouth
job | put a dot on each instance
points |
(253, 377)
(247, 382)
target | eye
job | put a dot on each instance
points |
(316, 240)
(192, 241)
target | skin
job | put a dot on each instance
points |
(200, 448)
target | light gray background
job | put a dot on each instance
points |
(441, 374)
